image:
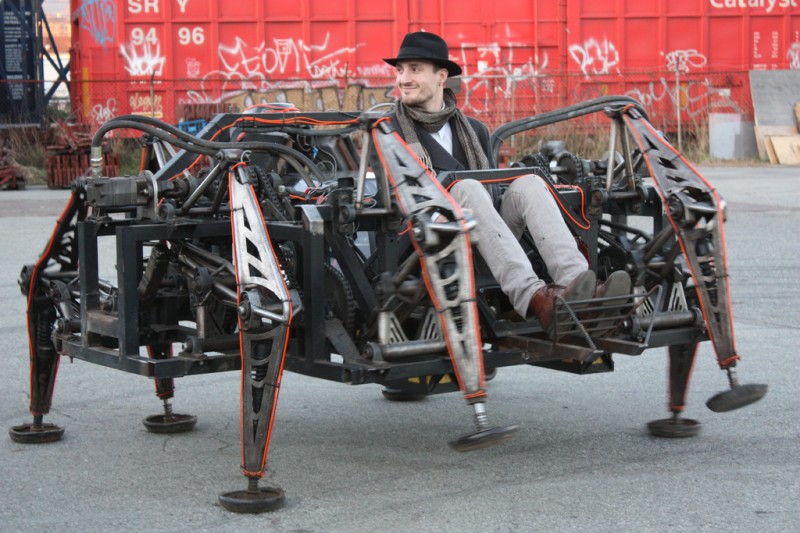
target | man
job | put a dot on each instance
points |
(427, 118)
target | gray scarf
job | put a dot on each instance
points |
(433, 122)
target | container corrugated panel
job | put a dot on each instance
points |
(520, 57)
(695, 54)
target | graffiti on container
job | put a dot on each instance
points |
(104, 112)
(143, 59)
(692, 97)
(247, 77)
(245, 93)
(382, 70)
(655, 92)
(354, 96)
(192, 68)
(244, 80)
(481, 93)
(793, 55)
(99, 18)
(499, 79)
(145, 104)
(595, 57)
(292, 56)
(685, 60)
(218, 86)
(492, 61)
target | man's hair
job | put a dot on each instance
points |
(436, 65)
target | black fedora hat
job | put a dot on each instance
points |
(428, 46)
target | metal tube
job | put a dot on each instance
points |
(158, 149)
(362, 170)
(411, 348)
(208, 256)
(225, 291)
(272, 317)
(673, 319)
(623, 195)
(612, 150)
(626, 149)
(97, 161)
(198, 192)
(224, 343)
(658, 242)
(669, 260)
(376, 211)
(481, 420)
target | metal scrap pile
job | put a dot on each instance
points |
(10, 177)
(68, 157)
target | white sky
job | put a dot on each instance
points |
(51, 7)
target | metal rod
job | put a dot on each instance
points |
(669, 260)
(213, 175)
(674, 319)
(225, 291)
(612, 150)
(626, 149)
(623, 195)
(481, 420)
(269, 315)
(224, 343)
(407, 349)
(732, 378)
(362, 170)
(658, 242)
(158, 149)
(374, 212)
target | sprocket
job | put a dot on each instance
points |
(339, 301)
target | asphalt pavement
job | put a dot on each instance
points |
(349, 460)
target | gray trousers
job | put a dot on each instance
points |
(526, 203)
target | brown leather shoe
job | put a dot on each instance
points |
(543, 303)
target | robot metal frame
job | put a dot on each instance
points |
(317, 243)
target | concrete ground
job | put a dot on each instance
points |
(351, 461)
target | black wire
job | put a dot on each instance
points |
(202, 146)
(97, 140)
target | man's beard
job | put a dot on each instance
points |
(417, 100)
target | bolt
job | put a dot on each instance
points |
(60, 326)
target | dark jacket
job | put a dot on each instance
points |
(440, 159)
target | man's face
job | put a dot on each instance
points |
(421, 84)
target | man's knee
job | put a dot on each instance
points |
(528, 185)
(470, 192)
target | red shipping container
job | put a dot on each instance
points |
(520, 57)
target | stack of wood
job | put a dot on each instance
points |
(780, 144)
(777, 115)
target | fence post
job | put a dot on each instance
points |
(678, 104)
(152, 95)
